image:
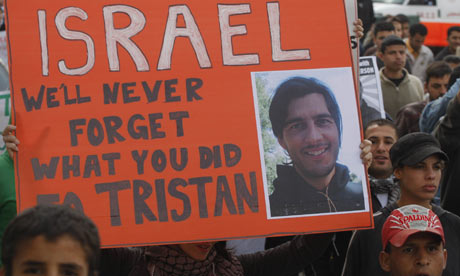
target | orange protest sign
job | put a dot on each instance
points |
(149, 116)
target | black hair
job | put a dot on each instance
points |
(418, 28)
(437, 69)
(390, 41)
(53, 222)
(382, 122)
(295, 88)
(453, 29)
(401, 18)
(452, 59)
(383, 26)
(454, 76)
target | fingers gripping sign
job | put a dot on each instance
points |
(10, 140)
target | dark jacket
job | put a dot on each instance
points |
(331, 261)
(294, 196)
(443, 53)
(365, 246)
(448, 134)
(286, 259)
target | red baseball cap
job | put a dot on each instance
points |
(408, 220)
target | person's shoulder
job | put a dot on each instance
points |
(442, 53)
(426, 50)
(445, 215)
(5, 160)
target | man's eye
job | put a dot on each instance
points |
(69, 272)
(297, 126)
(433, 248)
(323, 122)
(33, 271)
(408, 250)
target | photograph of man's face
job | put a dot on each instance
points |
(311, 136)
(308, 172)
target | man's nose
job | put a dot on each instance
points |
(443, 90)
(313, 134)
(381, 146)
(430, 172)
(423, 258)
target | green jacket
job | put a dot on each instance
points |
(7, 193)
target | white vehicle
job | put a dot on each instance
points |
(437, 15)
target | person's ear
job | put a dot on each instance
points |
(397, 172)
(445, 258)
(384, 260)
(380, 54)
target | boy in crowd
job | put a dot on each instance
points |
(398, 86)
(418, 162)
(50, 240)
(413, 242)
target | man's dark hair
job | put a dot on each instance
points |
(53, 222)
(382, 122)
(454, 76)
(383, 26)
(418, 28)
(453, 29)
(437, 69)
(401, 18)
(452, 59)
(390, 41)
(296, 88)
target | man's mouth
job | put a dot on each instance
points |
(380, 158)
(429, 188)
(315, 150)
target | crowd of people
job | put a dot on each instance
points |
(413, 174)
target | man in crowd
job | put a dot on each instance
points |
(418, 162)
(448, 133)
(397, 24)
(413, 242)
(437, 80)
(418, 55)
(435, 110)
(453, 41)
(306, 120)
(398, 86)
(384, 191)
(51, 240)
(380, 32)
(405, 25)
(436, 85)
